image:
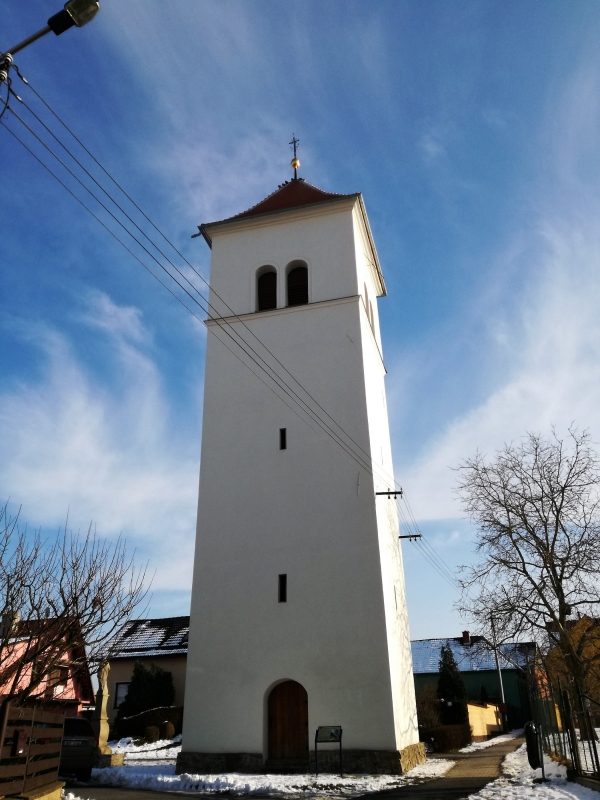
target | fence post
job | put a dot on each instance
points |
(572, 734)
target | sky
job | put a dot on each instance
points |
(471, 128)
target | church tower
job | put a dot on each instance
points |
(298, 614)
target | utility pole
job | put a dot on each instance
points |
(504, 722)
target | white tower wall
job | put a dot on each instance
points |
(309, 511)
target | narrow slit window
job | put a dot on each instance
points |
(283, 438)
(282, 589)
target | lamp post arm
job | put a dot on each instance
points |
(26, 42)
(75, 12)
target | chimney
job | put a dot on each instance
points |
(466, 639)
(8, 623)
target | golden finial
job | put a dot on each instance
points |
(295, 162)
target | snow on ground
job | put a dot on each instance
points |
(517, 782)
(128, 745)
(163, 752)
(489, 742)
(163, 778)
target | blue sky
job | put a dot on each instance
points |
(472, 130)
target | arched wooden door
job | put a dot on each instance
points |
(288, 722)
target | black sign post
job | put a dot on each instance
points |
(328, 734)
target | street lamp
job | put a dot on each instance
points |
(75, 12)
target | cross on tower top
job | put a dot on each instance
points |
(295, 162)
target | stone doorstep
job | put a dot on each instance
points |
(51, 791)
(374, 762)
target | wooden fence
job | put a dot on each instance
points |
(30, 743)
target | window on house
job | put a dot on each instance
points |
(283, 438)
(267, 291)
(121, 690)
(297, 286)
(57, 681)
(282, 589)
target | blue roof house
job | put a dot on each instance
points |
(476, 661)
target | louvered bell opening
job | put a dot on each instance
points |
(267, 291)
(297, 287)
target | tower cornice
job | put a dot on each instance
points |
(332, 205)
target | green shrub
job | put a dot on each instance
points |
(447, 737)
(428, 707)
(151, 734)
(451, 690)
(150, 687)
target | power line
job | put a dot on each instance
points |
(425, 547)
(245, 346)
(411, 521)
(222, 324)
(370, 460)
(120, 241)
(348, 449)
(433, 563)
(232, 313)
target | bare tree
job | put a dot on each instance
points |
(536, 508)
(62, 599)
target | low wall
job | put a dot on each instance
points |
(136, 725)
(373, 762)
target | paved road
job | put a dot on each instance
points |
(470, 774)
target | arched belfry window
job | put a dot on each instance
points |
(297, 284)
(266, 291)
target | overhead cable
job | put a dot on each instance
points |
(350, 447)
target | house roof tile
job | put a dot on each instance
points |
(150, 637)
(474, 657)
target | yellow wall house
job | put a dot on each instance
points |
(485, 720)
(163, 642)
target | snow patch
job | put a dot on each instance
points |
(517, 782)
(163, 778)
(472, 748)
(163, 751)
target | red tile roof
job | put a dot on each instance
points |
(296, 194)
(290, 194)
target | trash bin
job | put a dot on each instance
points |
(532, 739)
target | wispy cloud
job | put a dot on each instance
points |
(110, 456)
(123, 323)
(546, 351)
(432, 145)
